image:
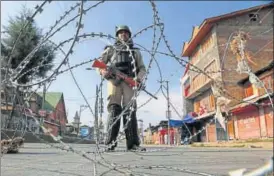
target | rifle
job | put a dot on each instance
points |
(120, 75)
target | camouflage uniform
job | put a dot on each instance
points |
(119, 93)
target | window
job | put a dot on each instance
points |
(207, 43)
(198, 81)
(197, 106)
(268, 83)
(211, 69)
(194, 82)
(249, 90)
(211, 102)
(253, 16)
(187, 91)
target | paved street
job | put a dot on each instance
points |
(41, 160)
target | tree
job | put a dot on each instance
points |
(29, 39)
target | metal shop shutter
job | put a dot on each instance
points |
(230, 129)
(269, 121)
(211, 132)
(249, 124)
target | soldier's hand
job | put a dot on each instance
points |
(140, 86)
(104, 73)
(107, 74)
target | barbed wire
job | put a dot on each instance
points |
(17, 74)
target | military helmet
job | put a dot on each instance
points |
(123, 28)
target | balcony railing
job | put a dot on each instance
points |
(198, 82)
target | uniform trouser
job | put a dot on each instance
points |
(118, 98)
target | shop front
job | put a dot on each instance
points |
(248, 122)
(163, 135)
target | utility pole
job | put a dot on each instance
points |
(96, 129)
(101, 111)
(168, 112)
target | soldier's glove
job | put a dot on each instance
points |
(107, 74)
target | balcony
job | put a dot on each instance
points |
(198, 86)
(204, 105)
(201, 82)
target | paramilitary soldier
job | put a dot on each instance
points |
(119, 93)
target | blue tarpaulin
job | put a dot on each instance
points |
(84, 131)
(178, 123)
(189, 119)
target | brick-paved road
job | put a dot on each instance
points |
(40, 160)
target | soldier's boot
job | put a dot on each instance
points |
(112, 132)
(138, 148)
(131, 132)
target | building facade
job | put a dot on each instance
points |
(209, 49)
(251, 120)
(54, 110)
(50, 111)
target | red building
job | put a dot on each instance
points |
(206, 50)
(54, 111)
(255, 121)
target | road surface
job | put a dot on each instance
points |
(42, 160)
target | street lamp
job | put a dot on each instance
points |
(90, 69)
(82, 108)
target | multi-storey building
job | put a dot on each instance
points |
(251, 120)
(209, 50)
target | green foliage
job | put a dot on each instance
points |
(29, 39)
(3, 49)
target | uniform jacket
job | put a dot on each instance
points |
(109, 55)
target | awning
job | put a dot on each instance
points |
(205, 115)
(178, 123)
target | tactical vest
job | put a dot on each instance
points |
(122, 60)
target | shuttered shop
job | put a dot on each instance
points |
(230, 129)
(211, 132)
(269, 121)
(248, 124)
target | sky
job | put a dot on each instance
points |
(179, 18)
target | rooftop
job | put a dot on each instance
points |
(199, 32)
